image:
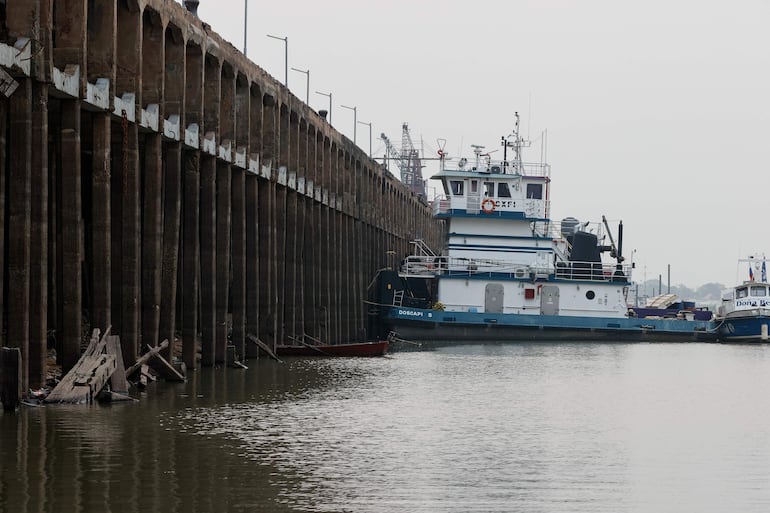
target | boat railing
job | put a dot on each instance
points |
(486, 165)
(421, 248)
(424, 266)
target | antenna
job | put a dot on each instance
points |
(477, 150)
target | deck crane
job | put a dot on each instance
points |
(408, 161)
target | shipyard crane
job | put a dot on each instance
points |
(408, 161)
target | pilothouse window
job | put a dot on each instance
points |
(457, 187)
(503, 191)
(758, 291)
(535, 191)
(489, 189)
(741, 292)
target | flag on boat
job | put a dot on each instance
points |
(764, 272)
(751, 273)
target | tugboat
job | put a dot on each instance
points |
(744, 314)
(508, 272)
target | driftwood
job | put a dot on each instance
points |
(89, 375)
(160, 365)
(145, 357)
(163, 368)
(263, 346)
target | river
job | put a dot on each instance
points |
(486, 428)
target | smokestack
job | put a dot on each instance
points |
(323, 113)
(192, 6)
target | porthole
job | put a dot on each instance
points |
(590, 294)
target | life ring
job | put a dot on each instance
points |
(488, 206)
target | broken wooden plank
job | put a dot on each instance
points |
(145, 357)
(10, 377)
(144, 376)
(110, 396)
(264, 347)
(84, 381)
(118, 381)
(164, 369)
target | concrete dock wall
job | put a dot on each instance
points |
(155, 180)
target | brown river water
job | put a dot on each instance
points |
(486, 428)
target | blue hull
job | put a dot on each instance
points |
(440, 327)
(744, 328)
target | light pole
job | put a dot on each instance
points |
(355, 121)
(307, 87)
(245, 23)
(370, 136)
(330, 103)
(285, 57)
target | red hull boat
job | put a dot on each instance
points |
(378, 348)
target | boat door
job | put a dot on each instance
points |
(473, 204)
(549, 300)
(493, 298)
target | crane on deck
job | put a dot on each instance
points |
(408, 161)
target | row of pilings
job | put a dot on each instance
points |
(154, 180)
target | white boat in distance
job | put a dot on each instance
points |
(744, 314)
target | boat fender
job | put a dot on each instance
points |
(488, 206)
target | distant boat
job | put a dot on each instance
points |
(671, 306)
(508, 273)
(744, 314)
(377, 348)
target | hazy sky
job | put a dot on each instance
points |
(657, 113)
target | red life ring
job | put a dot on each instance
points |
(488, 206)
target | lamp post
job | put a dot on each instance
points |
(245, 23)
(285, 57)
(307, 87)
(355, 121)
(370, 136)
(330, 103)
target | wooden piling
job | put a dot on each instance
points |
(252, 260)
(101, 221)
(239, 273)
(10, 377)
(38, 282)
(171, 225)
(71, 235)
(208, 239)
(223, 256)
(191, 258)
(152, 239)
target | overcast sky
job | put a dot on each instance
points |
(657, 113)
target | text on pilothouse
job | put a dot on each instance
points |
(752, 302)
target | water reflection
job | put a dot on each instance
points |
(533, 427)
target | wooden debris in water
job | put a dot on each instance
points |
(89, 375)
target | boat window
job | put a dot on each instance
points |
(758, 290)
(474, 186)
(741, 292)
(535, 191)
(489, 189)
(502, 190)
(446, 190)
(457, 187)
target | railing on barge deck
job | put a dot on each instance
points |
(422, 266)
